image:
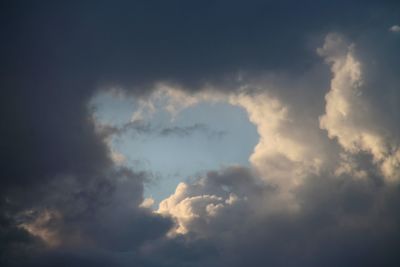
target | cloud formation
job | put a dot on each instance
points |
(348, 116)
(322, 188)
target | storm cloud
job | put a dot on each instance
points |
(319, 81)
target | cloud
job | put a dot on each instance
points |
(64, 201)
(348, 115)
(164, 98)
(331, 213)
(200, 206)
(395, 28)
(280, 156)
(248, 223)
(147, 203)
(146, 129)
(190, 130)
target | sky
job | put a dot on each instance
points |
(201, 137)
(208, 133)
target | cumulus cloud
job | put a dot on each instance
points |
(247, 222)
(292, 185)
(63, 200)
(329, 204)
(280, 156)
(214, 201)
(349, 116)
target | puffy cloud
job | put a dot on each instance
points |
(281, 156)
(349, 116)
(340, 209)
(213, 202)
(246, 221)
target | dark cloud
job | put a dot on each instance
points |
(56, 172)
(339, 221)
(135, 42)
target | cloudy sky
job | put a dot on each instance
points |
(200, 133)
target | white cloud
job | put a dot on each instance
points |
(206, 206)
(348, 116)
(282, 155)
(189, 209)
(147, 203)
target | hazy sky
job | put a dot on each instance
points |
(200, 133)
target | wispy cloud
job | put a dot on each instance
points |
(187, 131)
(142, 128)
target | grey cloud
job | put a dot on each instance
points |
(141, 128)
(55, 57)
(135, 127)
(190, 130)
(340, 221)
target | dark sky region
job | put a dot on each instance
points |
(281, 119)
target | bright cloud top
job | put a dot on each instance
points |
(348, 116)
